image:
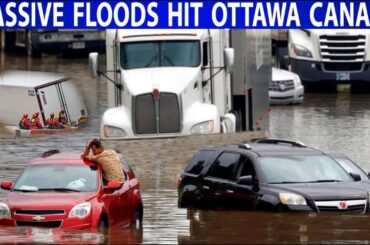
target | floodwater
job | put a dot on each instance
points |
(332, 122)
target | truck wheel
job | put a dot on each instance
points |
(238, 120)
(30, 49)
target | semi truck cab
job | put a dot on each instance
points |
(166, 83)
(337, 56)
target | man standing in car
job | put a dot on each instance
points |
(107, 159)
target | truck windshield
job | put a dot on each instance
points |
(302, 169)
(160, 54)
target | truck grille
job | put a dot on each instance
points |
(350, 206)
(281, 86)
(45, 224)
(344, 49)
(156, 117)
(39, 212)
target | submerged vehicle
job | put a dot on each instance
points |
(60, 190)
(271, 175)
(45, 92)
(336, 56)
(285, 88)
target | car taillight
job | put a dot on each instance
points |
(178, 182)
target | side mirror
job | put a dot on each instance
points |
(246, 180)
(6, 185)
(112, 186)
(229, 58)
(355, 177)
(94, 64)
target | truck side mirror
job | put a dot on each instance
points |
(229, 58)
(94, 64)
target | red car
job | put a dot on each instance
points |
(60, 190)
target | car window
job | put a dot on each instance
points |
(199, 161)
(49, 177)
(224, 166)
(287, 169)
(351, 167)
(245, 168)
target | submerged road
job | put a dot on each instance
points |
(335, 122)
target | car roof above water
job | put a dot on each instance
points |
(60, 158)
(266, 150)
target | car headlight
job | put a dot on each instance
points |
(203, 128)
(292, 199)
(4, 211)
(301, 51)
(110, 131)
(81, 210)
(298, 81)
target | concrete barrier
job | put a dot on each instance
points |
(179, 149)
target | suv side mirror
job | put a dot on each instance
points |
(112, 186)
(6, 185)
(94, 64)
(355, 177)
(229, 58)
(246, 180)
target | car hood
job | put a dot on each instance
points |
(280, 74)
(326, 191)
(46, 200)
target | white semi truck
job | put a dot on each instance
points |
(166, 83)
(336, 56)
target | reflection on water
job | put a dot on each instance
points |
(330, 122)
(57, 236)
(249, 227)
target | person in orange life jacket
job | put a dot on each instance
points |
(62, 118)
(24, 122)
(52, 122)
(35, 121)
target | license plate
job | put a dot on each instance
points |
(79, 45)
(343, 76)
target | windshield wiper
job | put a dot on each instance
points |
(287, 182)
(325, 180)
(59, 189)
(25, 190)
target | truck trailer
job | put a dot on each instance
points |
(31, 91)
(38, 41)
(170, 82)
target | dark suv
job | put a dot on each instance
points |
(271, 174)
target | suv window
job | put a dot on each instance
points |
(224, 166)
(199, 161)
(351, 167)
(245, 168)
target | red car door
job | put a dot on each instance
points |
(112, 204)
(125, 204)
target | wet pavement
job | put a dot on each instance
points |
(331, 122)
